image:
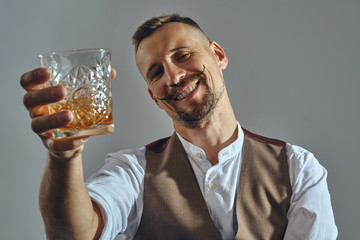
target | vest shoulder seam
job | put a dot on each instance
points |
(158, 146)
(263, 139)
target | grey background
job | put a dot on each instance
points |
(293, 74)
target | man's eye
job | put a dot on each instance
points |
(156, 74)
(183, 56)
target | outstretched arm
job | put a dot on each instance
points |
(65, 205)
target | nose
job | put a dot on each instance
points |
(173, 73)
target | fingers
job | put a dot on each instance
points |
(44, 96)
(63, 149)
(37, 97)
(113, 73)
(34, 79)
(36, 100)
(64, 145)
(43, 124)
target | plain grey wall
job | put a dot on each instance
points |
(293, 74)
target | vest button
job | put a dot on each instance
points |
(212, 186)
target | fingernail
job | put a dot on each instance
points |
(50, 144)
(65, 117)
(43, 73)
(57, 93)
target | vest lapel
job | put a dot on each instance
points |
(174, 207)
(264, 190)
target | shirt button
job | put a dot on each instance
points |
(212, 186)
(198, 155)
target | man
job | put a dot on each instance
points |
(210, 180)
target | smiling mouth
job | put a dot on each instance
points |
(178, 93)
(187, 92)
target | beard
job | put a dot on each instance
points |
(200, 110)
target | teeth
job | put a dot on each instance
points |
(186, 93)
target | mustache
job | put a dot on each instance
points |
(177, 87)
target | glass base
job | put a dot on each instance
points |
(58, 133)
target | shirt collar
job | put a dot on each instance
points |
(229, 152)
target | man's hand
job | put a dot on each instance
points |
(36, 100)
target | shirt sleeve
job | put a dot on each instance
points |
(117, 188)
(310, 214)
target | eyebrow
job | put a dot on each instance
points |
(154, 65)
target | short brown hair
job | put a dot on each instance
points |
(151, 25)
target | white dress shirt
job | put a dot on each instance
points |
(118, 188)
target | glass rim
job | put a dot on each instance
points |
(80, 50)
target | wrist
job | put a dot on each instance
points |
(66, 156)
(65, 149)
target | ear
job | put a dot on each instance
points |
(154, 98)
(219, 54)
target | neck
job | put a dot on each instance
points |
(214, 135)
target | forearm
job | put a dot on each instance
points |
(65, 204)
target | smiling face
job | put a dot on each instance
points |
(183, 71)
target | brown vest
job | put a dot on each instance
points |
(174, 207)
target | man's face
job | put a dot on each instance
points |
(183, 72)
